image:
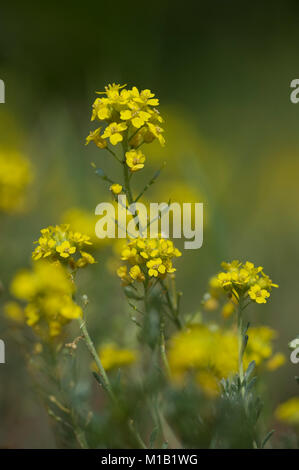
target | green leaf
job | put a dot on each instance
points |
(153, 437)
(131, 294)
(99, 380)
(266, 439)
(249, 370)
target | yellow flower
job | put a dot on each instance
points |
(137, 116)
(65, 249)
(116, 188)
(113, 357)
(136, 273)
(145, 98)
(114, 132)
(96, 137)
(122, 272)
(135, 160)
(155, 267)
(101, 109)
(288, 412)
(258, 294)
(86, 258)
(157, 132)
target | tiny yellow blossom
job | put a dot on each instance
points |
(157, 132)
(137, 116)
(65, 249)
(135, 160)
(116, 188)
(155, 267)
(96, 137)
(258, 294)
(114, 132)
(136, 273)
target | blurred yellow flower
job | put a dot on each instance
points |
(16, 174)
(13, 311)
(288, 412)
(276, 361)
(116, 188)
(212, 353)
(114, 357)
(48, 291)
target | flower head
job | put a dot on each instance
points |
(135, 160)
(59, 243)
(243, 279)
(148, 258)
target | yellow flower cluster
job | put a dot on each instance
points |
(147, 258)
(212, 353)
(48, 291)
(244, 279)
(129, 115)
(288, 412)
(113, 357)
(59, 243)
(15, 176)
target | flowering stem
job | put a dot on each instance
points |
(96, 358)
(105, 379)
(240, 341)
(126, 173)
(163, 349)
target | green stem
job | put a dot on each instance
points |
(163, 349)
(240, 342)
(96, 358)
(105, 378)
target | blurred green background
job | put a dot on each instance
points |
(222, 71)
